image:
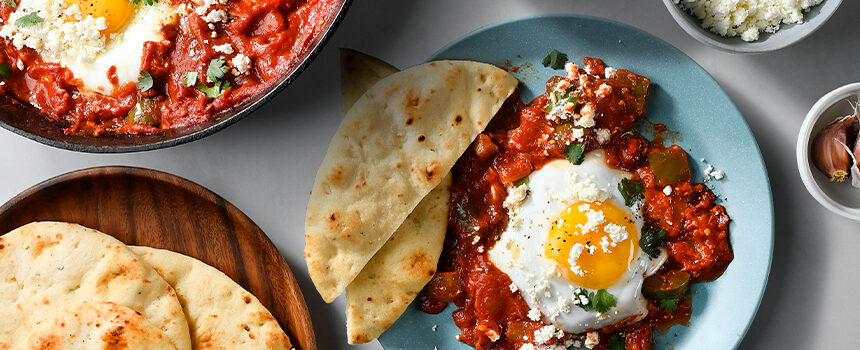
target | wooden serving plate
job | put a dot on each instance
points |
(151, 208)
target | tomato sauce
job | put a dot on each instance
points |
(519, 140)
(272, 33)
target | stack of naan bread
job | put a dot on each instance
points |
(64, 286)
(378, 211)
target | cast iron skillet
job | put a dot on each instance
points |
(28, 122)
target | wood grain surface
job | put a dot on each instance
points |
(151, 208)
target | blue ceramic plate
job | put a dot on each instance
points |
(685, 98)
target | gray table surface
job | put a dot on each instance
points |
(265, 164)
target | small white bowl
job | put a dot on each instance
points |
(840, 198)
(787, 34)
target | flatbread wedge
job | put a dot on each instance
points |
(393, 147)
(397, 273)
(221, 314)
(358, 73)
(47, 264)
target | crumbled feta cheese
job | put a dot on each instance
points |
(493, 335)
(225, 48)
(591, 340)
(513, 287)
(609, 72)
(544, 334)
(667, 190)
(516, 196)
(64, 35)
(603, 135)
(586, 116)
(604, 90)
(572, 70)
(476, 239)
(527, 346)
(242, 63)
(617, 233)
(534, 314)
(747, 18)
(215, 16)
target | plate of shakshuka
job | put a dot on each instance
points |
(550, 182)
(146, 66)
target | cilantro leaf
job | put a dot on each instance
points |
(5, 70)
(11, 3)
(144, 81)
(652, 240)
(217, 69)
(602, 301)
(631, 190)
(554, 59)
(669, 304)
(28, 20)
(616, 342)
(189, 79)
(575, 152)
(216, 90)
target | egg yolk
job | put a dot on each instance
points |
(599, 269)
(116, 12)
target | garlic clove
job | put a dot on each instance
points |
(829, 153)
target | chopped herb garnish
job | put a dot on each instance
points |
(554, 59)
(144, 81)
(28, 20)
(11, 3)
(631, 190)
(189, 79)
(214, 91)
(600, 301)
(616, 342)
(575, 152)
(652, 240)
(145, 2)
(5, 70)
(520, 182)
(669, 304)
(216, 70)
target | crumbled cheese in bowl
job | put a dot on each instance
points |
(747, 18)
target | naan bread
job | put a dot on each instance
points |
(394, 276)
(398, 271)
(47, 264)
(221, 314)
(358, 73)
(90, 325)
(394, 146)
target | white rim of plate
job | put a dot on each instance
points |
(803, 164)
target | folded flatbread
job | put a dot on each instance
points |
(397, 273)
(55, 264)
(221, 314)
(393, 147)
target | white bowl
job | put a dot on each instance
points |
(787, 34)
(840, 198)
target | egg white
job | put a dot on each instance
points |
(520, 250)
